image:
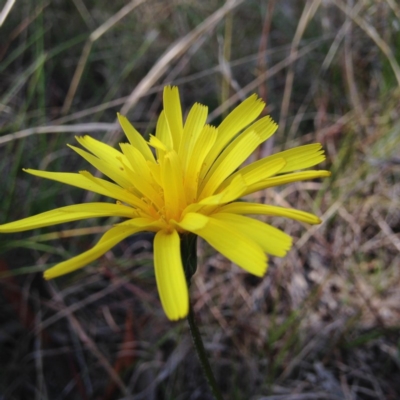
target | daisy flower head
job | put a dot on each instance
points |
(185, 179)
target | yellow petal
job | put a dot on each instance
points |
(107, 241)
(155, 171)
(297, 158)
(173, 112)
(287, 178)
(157, 143)
(136, 160)
(127, 196)
(85, 180)
(256, 172)
(144, 173)
(228, 240)
(115, 171)
(270, 239)
(135, 138)
(145, 187)
(170, 276)
(244, 114)
(207, 206)
(67, 214)
(234, 155)
(99, 149)
(193, 127)
(265, 209)
(202, 147)
(232, 192)
(163, 132)
(172, 182)
(265, 127)
(193, 222)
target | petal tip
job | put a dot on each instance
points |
(47, 275)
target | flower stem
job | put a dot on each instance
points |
(189, 259)
(201, 353)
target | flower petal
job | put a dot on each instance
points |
(163, 132)
(115, 171)
(287, 178)
(99, 149)
(241, 116)
(264, 171)
(194, 125)
(173, 112)
(170, 276)
(145, 188)
(138, 163)
(297, 158)
(264, 128)
(265, 209)
(271, 240)
(228, 240)
(107, 241)
(256, 172)
(233, 191)
(135, 138)
(67, 214)
(157, 144)
(202, 147)
(234, 155)
(172, 182)
(85, 180)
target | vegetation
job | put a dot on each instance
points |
(324, 321)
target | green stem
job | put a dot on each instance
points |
(201, 353)
(189, 259)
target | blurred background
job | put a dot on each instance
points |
(324, 321)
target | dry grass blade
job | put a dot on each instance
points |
(95, 35)
(262, 78)
(350, 76)
(90, 344)
(395, 7)
(309, 11)
(66, 311)
(77, 128)
(386, 230)
(6, 10)
(172, 53)
(374, 35)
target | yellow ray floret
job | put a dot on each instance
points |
(68, 214)
(187, 179)
(170, 277)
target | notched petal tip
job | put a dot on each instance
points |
(47, 275)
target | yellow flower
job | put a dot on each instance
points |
(189, 184)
